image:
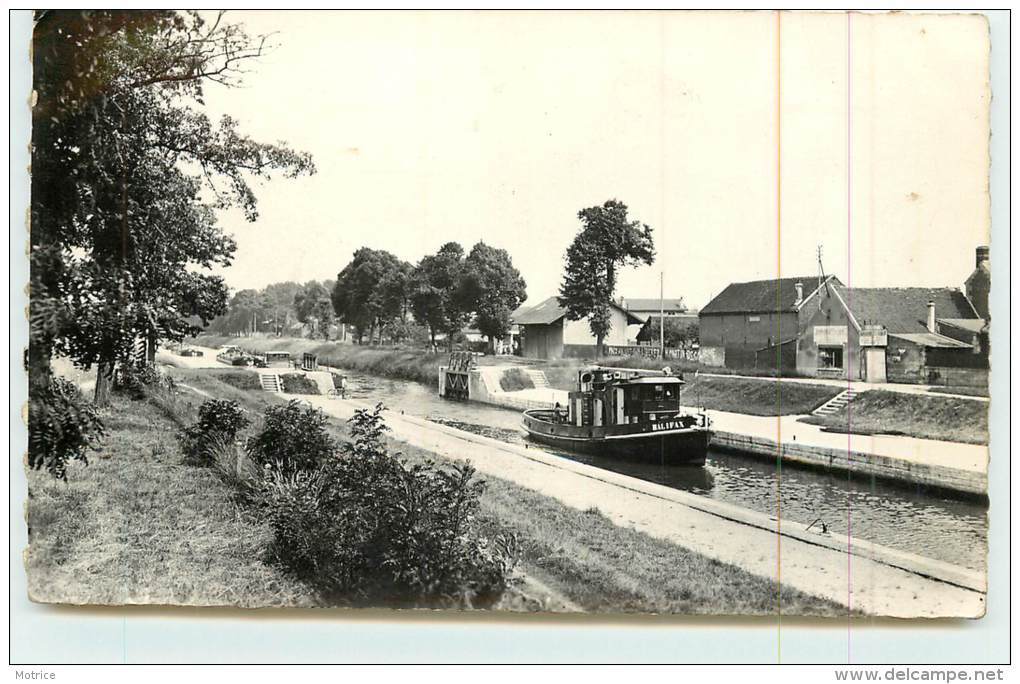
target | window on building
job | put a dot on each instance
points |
(830, 358)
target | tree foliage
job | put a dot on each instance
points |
(371, 291)
(492, 288)
(128, 173)
(607, 241)
(437, 300)
(62, 427)
(314, 307)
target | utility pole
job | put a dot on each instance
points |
(662, 321)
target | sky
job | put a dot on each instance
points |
(743, 140)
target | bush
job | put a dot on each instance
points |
(298, 383)
(219, 422)
(133, 380)
(367, 529)
(515, 379)
(292, 439)
(242, 380)
(62, 426)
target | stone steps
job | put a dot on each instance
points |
(270, 382)
(836, 404)
(538, 379)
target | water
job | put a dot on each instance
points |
(910, 519)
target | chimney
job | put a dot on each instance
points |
(981, 256)
(800, 293)
(931, 316)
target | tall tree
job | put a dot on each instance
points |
(492, 288)
(607, 241)
(122, 159)
(314, 307)
(436, 300)
(279, 299)
(368, 291)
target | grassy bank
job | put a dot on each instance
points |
(756, 397)
(915, 415)
(400, 364)
(137, 526)
(575, 559)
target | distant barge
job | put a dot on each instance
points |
(627, 413)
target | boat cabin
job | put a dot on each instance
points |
(607, 396)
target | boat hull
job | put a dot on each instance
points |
(682, 446)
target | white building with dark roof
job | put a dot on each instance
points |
(547, 333)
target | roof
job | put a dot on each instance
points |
(927, 339)
(549, 311)
(972, 324)
(905, 309)
(652, 305)
(759, 296)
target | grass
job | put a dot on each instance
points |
(298, 383)
(242, 380)
(879, 412)
(400, 364)
(967, 391)
(137, 526)
(581, 559)
(515, 379)
(756, 397)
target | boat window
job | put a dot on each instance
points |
(658, 393)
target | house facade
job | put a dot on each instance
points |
(892, 335)
(756, 324)
(918, 335)
(546, 332)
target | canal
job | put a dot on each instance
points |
(924, 522)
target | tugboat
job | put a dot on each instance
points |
(627, 413)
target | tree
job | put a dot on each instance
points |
(370, 291)
(245, 308)
(314, 307)
(679, 332)
(122, 159)
(606, 242)
(279, 299)
(436, 300)
(492, 288)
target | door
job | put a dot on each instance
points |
(874, 364)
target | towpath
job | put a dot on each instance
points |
(863, 576)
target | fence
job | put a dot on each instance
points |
(652, 352)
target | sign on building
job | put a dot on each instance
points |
(830, 334)
(874, 336)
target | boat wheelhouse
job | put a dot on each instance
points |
(624, 412)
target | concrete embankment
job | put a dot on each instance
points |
(864, 576)
(947, 465)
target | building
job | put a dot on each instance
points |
(646, 308)
(546, 332)
(906, 334)
(757, 323)
(979, 283)
(892, 334)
